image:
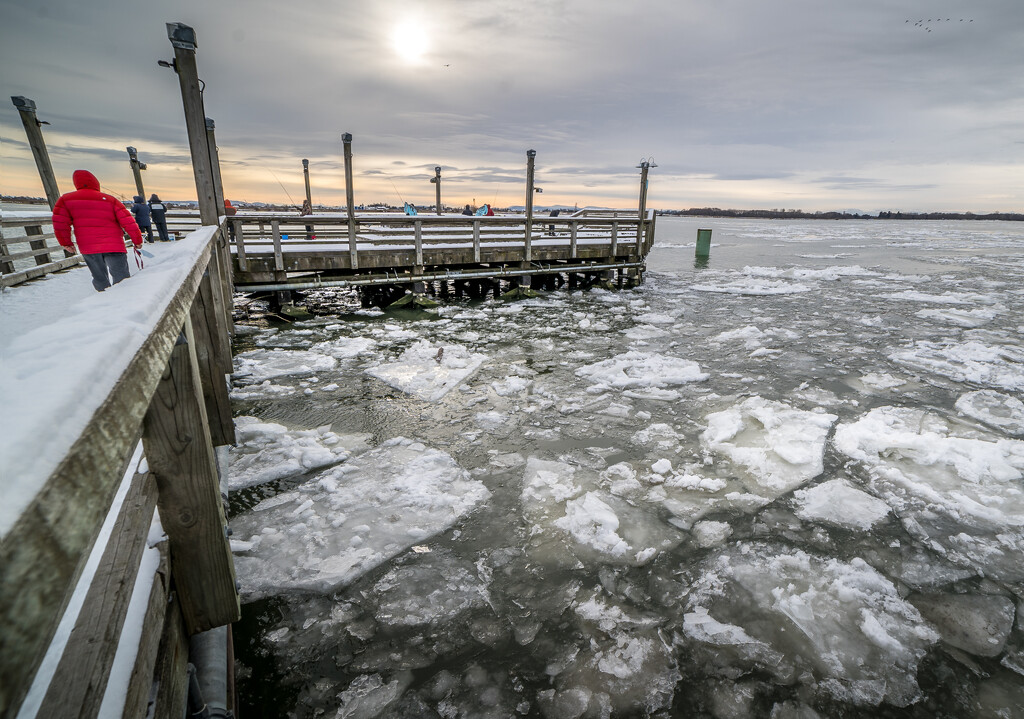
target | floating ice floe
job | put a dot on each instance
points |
(263, 390)
(429, 372)
(994, 409)
(946, 298)
(995, 365)
(642, 370)
(780, 447)
(840, 503)
(266, 451)
(259, 365)
(350, 518)
(754, 287)
(953, 487)
(960, 318)
(433, 590)
(564, 502)
(839, 626)
(346, 347)
(881, 380)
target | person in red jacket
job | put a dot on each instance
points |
(100, 222)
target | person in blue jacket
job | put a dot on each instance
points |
(159, 217)
(141, 211)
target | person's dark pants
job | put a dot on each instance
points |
(148, 229)
(161, 226)
(108, 268)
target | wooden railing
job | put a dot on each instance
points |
(27, 251)
(326, 234)
(163, 378)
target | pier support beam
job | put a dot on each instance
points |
(181, 458)
(137, 168)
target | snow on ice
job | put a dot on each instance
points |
(350, 518)
(429, 372)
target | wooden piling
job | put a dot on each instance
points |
(350, 202)
(137, 167)
(436, 179)
(27, 110)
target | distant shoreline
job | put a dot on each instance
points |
(692, 212)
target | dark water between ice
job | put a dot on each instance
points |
(786, 484)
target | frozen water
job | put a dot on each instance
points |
(780, 447)
(428, 372)
(787, 485)
(345, 521)
(266, 451)
(842, 621)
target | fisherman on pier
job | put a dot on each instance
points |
(142, 217)
(100, 222)
(159, 215)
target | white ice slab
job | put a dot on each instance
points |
(429, 372)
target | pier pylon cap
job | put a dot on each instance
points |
(23, 103)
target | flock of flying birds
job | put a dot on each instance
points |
(924, 24)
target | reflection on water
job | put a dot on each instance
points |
(786, 482)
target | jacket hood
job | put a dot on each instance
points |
(85, 180)
(138, 198)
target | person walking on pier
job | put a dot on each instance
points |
(159, 213)
(142, 217)
(100, 222)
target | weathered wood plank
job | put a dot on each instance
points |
(42, 554)
(140, 684)
(171, 672)
(181, 458)
(31, 273)
(278, 258)
(81, 676)
(236, 226)
(214, 362)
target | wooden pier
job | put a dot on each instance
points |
(83, 602)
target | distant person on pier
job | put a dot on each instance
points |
(230, 210)
(142, 217)
(307, 209)
(100, 222)
(159, 213)
(468, 210)
(551, 228)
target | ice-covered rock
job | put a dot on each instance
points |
(351, 518)
(838, 502)
(977, 623)
(952, 486)
(842, 622)
(429, 372)
(266, 451)
(994, 409)
(779, 446)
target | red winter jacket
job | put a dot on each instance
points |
(98, 218)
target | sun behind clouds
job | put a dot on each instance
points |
(410, 42)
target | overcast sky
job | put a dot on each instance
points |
(809, 104)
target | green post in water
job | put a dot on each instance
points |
(704, 243)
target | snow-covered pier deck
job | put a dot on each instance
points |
(118, 400)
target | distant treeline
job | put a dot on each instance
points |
(801, 215)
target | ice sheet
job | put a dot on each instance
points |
(429, 372)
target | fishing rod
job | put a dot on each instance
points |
(283, 188)
(396, 190)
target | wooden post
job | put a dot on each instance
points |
(573, 228)
(223, 248)
(236, 226)
(530, 157)
(137, 168)
(180, 456)
(275, 226)
(183, 39)
(212, 356)
(436, 179)
(305, 174)
(353, 254)
(418, 239)
(27, 110)
(33, 231)
(644, 166)
(476, 240)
